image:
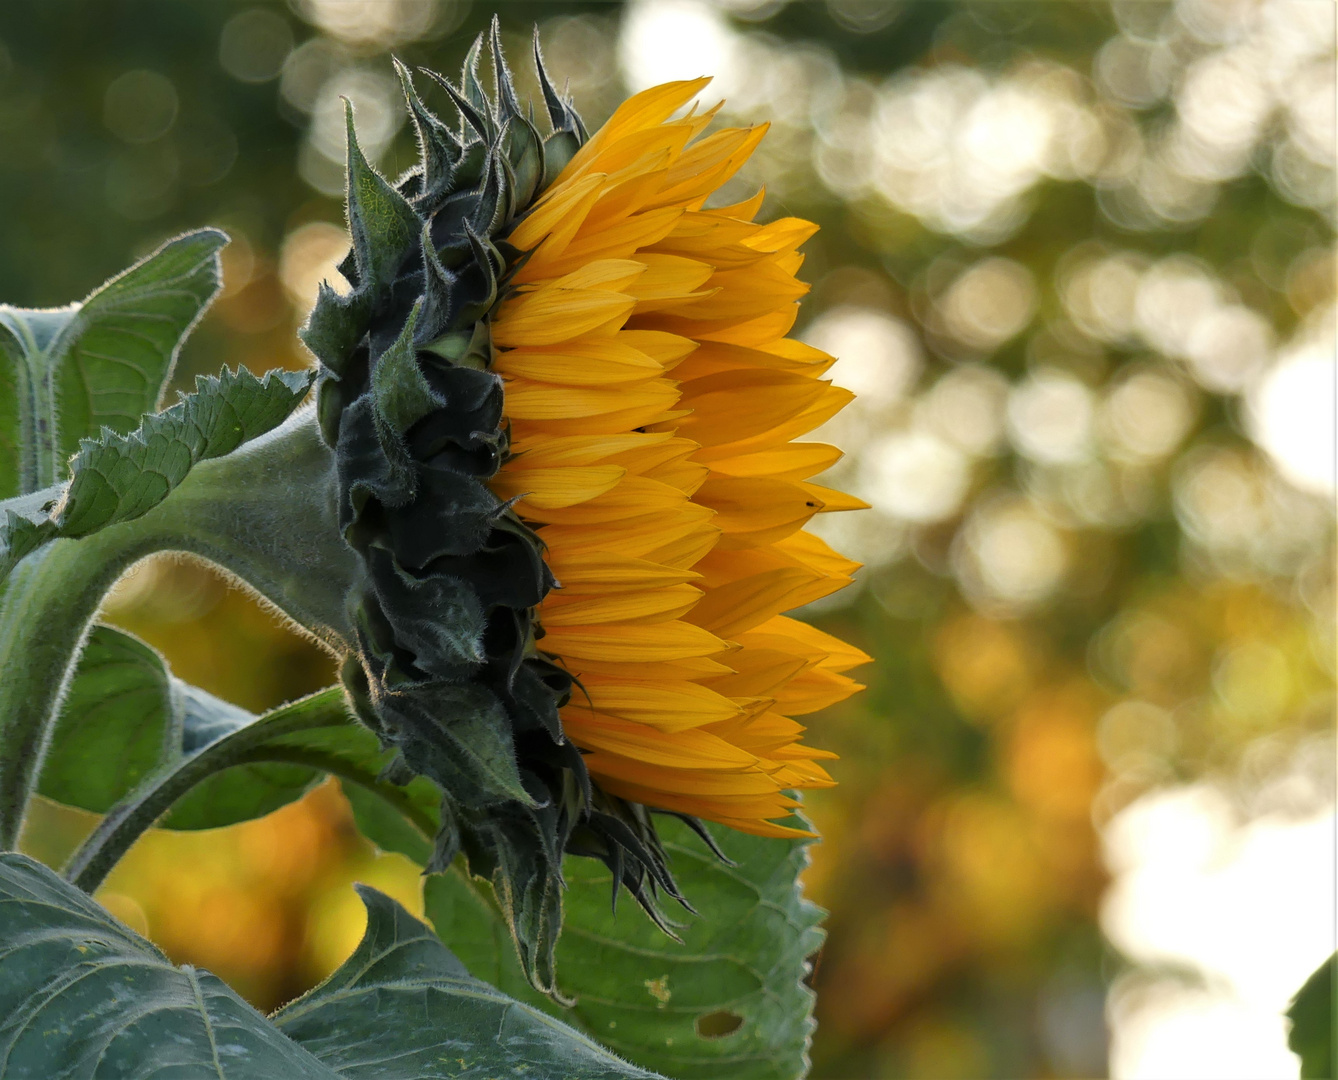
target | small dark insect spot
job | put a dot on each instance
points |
(718, 1024)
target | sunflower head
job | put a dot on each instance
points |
(562, 405)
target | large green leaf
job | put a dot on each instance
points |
(729, 1002)
(67, 373)
(84, 998)
(1315, 1023)
(403, 1006)
(120, 477)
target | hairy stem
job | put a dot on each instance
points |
(266, 513)
(47, 607)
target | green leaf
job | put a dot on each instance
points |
(1315, 1023)
(403, 1006)
(249, 772)
(25, 526)
(114, 357)
(84, 997)
(121, 477)
(729, 1003)
(387, 828)
(205, 718)
(126, 715)
(119, 722)
(68, 373)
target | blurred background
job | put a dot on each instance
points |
(1076, 258)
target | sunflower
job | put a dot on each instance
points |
(561, 407)
(654, 399)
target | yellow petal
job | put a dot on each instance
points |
(583, 362)
(686, 669)
(641, 111)
(680, 781)
(754, 333)
(668, 706)
(644, 459)
(802, 774)
(713, 357)
(814, 552)
(833, 500)
(649, 413)
(791, 635)
(830, 401)
(618, 241)
(670, 281)
(744, 294)
(815, 689)
(686, 549)
(706, 165)
(713, 807)
(719, 418)
(628, 189)
(645, 606)
(545, 489)
(783, 234)
(742, 211)
(610, 573)
(702, 235)
(525, 400)
(756, 509)
(765, 828)
(561, 214)
(632, 496)
(758, 672)
(542, 450)
(553, 315)
(638, 538)
(686, 749)
(667, 349)
(654, 642)
(741, 605)
(615, 275)
(793, 461)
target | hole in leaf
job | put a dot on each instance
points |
(718, 1024)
